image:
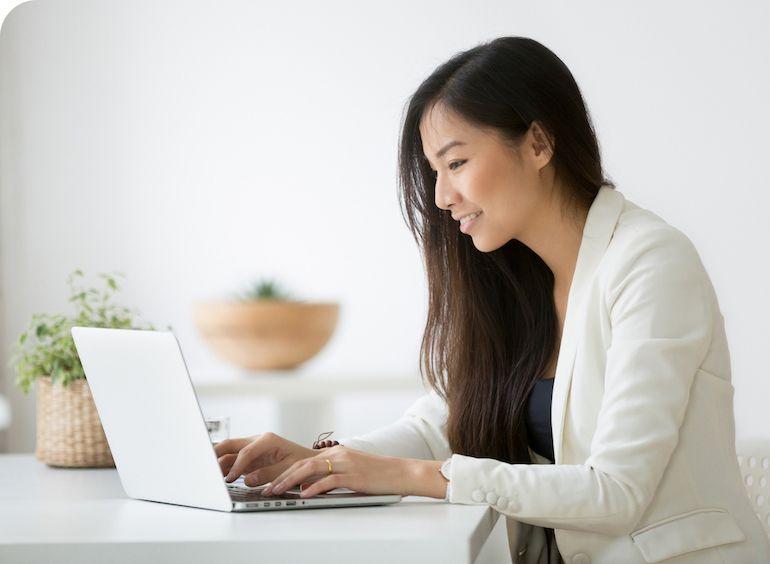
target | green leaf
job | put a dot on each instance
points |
(54, 352)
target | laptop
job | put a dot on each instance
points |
(156, 430)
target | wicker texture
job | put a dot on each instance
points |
(69, 432)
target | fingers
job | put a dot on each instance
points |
(226, 462)
(248, 454)
(324, 485)
(230, 446)
(298, 472)
(263, 475)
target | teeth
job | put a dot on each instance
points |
(467, 218)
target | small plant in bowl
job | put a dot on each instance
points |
(264, 328)
(265, 289)
(68, 430)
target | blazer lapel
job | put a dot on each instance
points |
(597, 232)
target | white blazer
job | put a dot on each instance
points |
(642, 414)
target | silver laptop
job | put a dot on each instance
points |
(156, 430)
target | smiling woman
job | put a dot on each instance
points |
(539, 269)
(497, 155)
(499, 166)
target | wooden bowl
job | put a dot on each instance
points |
(266, 334)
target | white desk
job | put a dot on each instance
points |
(68, 515)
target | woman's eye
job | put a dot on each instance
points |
(434, 173)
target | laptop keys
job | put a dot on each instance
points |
(239, 494)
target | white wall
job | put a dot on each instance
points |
(196, 145)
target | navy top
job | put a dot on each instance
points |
(539, 418)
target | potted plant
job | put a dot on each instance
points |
(263, 328)
(68, 430)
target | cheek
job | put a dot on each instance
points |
(506, 209)
(482, 188)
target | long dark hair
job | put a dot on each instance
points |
(492, 327)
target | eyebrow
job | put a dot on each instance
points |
(448, 146)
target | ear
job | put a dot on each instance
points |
(542, 143)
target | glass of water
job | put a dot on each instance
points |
(218, 428)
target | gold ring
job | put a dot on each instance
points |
(329, 462)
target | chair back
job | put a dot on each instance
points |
(754, 462)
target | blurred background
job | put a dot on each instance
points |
(197, 146)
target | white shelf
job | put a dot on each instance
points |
(303, 402)
(5, 413)
(301, 384)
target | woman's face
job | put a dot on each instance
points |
(482, 174)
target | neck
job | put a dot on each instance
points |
(556, 239)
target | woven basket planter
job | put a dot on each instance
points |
(69, 432)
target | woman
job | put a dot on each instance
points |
(547, 288)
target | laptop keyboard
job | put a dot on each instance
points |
(242, 493)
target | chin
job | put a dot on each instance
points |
(484, 245)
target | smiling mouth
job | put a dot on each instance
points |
(469, 217)
(466, 224)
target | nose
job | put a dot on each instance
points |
(445, 195)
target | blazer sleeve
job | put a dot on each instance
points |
(660, 306)
(419, 433)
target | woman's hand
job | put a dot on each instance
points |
(260, 458)
(359, 471)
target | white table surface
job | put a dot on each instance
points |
(82, 515)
